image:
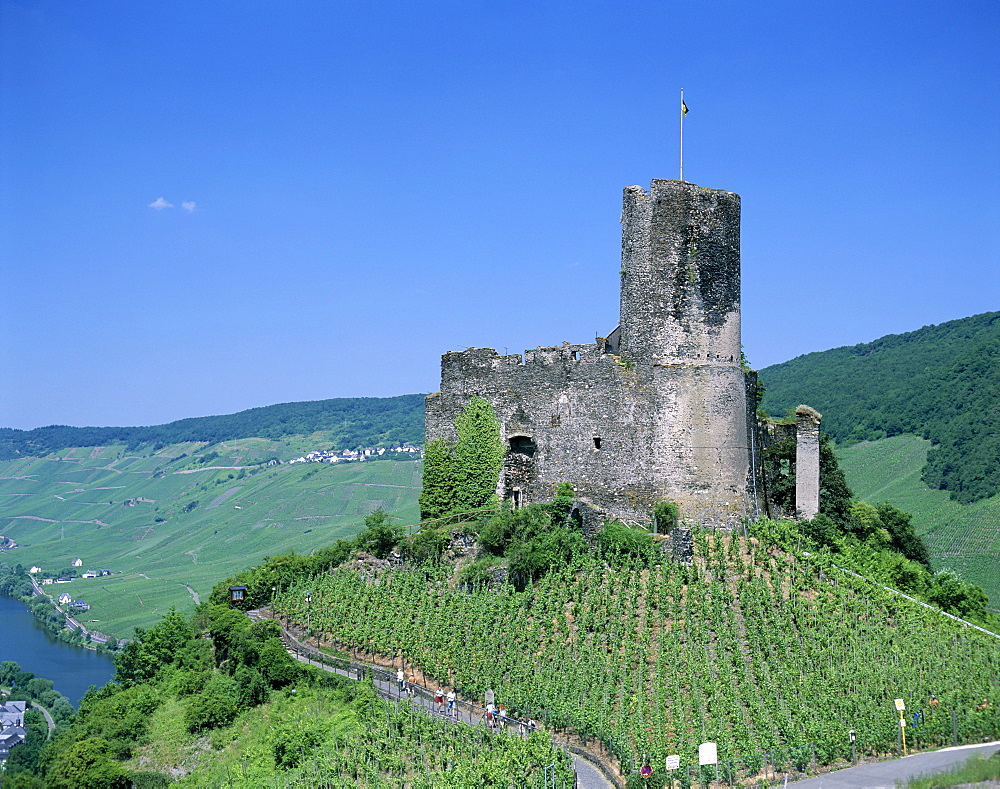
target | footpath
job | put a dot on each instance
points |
(884, 775)
(590, 774)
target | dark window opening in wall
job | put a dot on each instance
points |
(516, 498)
(576, 356)
(554, 422)
(522, 445)
(597, 442)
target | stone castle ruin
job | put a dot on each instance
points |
(660, 409)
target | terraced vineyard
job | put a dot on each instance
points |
(170, 524)
(961, 537)
(773, 656)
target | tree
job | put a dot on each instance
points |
(665, 516)
(277, 666)
(217, 705)
(428, 544)
(952, 594)
(380, 535)
(226, 626)
(87, 765)
(905, 539)
(252, 688)
(8, 669)
(463, 477)
(153, 649)
(479, 454)
(437, 495)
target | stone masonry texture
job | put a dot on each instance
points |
(656, 411)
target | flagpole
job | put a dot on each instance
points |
(682, 134)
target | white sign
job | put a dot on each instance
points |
(899, 705)
(708, 753)
(902, 723)
(673, 762)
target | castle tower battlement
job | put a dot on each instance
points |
(680, 291)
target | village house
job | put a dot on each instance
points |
(77, 562)
(64, 598)
(12, 731)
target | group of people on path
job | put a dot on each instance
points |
(496, 717)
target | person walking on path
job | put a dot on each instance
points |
(451, 703)
(502, 718)
(400, 681)
(490, 715)
(439, 699)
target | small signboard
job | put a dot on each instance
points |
(646, 771)
(490, 696)
(708, 753)
(673, 761)
(899, 705)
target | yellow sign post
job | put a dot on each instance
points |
(901, 707)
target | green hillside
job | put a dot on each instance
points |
(964, 538)
(185, 515)
(351, 422)
(940, 382)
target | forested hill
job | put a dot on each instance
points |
(940, 382)
(354, 421)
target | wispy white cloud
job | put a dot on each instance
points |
(189, 206)
(159, 204)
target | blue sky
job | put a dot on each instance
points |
(356, 188)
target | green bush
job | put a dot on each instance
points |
(665, 516)
(622, 545)
(217, 705)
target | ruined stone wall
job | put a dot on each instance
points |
(568, 414)
(658, 411)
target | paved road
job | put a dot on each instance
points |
(883, 775)
(48, 718)
(588, 776)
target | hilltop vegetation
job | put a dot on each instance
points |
(350, 422)
(940, 382)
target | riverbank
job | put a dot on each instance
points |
(60, 624)
(72, 668)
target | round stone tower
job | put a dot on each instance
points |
(680, 331)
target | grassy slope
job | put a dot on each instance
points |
(72, 504)
(964, 538)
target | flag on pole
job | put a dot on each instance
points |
(684, 107)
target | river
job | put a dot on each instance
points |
(25, 641)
